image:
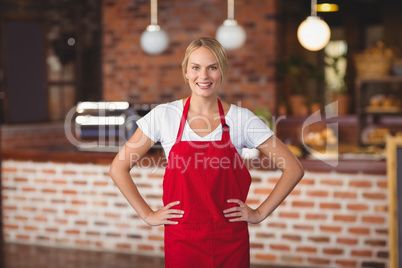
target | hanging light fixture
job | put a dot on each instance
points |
(313, 33)
(154, 40)
(230, 34)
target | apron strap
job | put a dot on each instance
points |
(183, 120)
(225, 127)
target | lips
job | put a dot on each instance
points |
(204, 85)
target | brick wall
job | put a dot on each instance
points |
(329, 220)
(130, 74)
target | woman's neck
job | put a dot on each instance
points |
(202, 105)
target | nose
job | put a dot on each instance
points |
(204, 74)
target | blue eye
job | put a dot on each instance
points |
(196, 68)
(213, 68)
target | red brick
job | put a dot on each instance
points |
(378, 196)
(80, 182)
(59, 182)
(100, 203)
(263, 191)
(21, 218)
(70, 192)
(101, 183)
(330, 206)
(92, 233)
(82, 242)
(71, 212)
(49, 171)
(72, 232)
(332, 182)
(112, 215)
(40, 180)
(306, 249)
(265, 257)
(155, 176)
(69, 172)
(343, 195)
(360, 184)
(310, 216)
(304, 204)
(373, 219)
(319, 239)
(346, 263)
(8, 169)
(291, 215)
(256, 246)
(382, 184)
(359, 230)
(345, 218)
(23, 237)
(347, 241)
(358, 207)
(276, 225)
(49, 191)
(318, 193)
(333, 251)
(145, 247)
(303, 227)
(252, 201)
(78, 202)
(291, 237)
(28, 170)
(18, 180)
(361, 253)
(318, 260)
(332, 229)
(30, 228)
(28, 189)
(156, 237)
(10, 226)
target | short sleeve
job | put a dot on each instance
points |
(150, 124)
(255, 130)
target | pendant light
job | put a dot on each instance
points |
(230, 34)
(154, 40)
(313, 33)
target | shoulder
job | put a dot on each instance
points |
(237, 111)
(169, 107)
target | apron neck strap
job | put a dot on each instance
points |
(225, 127)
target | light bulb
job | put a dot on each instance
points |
(313, 33)
(154, 40)
(231, 35)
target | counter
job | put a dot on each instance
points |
(335, 217)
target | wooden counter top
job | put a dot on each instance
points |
(73, 155)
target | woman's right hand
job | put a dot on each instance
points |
(163, 215)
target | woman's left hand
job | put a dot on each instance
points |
(242, 212)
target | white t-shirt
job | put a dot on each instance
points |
(162, 123)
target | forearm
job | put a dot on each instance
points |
(282, 189)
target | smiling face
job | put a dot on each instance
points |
(203, 73)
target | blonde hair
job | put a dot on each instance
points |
(215, 47)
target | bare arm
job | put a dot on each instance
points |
(292, 172)
(135, 148)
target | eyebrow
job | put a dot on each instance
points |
(213, 64)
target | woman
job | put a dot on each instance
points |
(206, 183)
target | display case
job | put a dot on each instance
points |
(378, 108)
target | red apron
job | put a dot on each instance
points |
(203, 176)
